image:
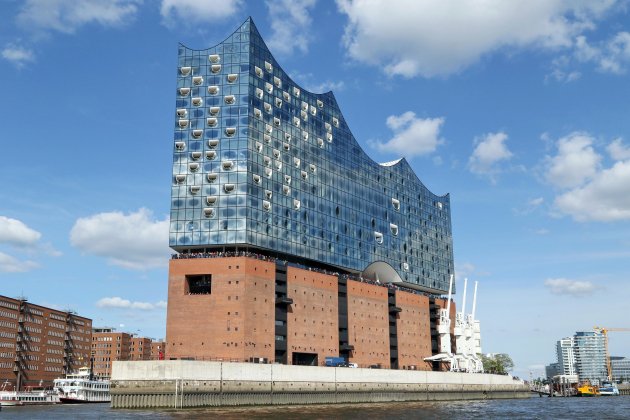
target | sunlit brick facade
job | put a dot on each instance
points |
(39, 344)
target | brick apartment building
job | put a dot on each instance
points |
(39, 344)
(109, 345)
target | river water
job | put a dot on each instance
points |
(532, 408)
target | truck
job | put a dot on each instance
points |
(333, 361)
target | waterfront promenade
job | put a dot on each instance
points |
(188, 383)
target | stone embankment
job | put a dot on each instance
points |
(183, 384)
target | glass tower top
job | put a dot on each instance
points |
(261, 163)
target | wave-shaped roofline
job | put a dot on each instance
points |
(400, 163)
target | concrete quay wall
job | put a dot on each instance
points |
(183, 383)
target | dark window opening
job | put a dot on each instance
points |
(199, 285)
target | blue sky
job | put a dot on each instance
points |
(518, 109)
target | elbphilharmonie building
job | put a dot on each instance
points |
(266, 171)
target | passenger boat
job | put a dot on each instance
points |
(38, 397)
(608, 389)
(587, 390)
(9, 399)
(81, 388)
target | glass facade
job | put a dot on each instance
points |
(261, 163)
(590, 356)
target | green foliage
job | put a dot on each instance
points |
(500, 363)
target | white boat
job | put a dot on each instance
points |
(82, 387)
(9, 399)
(608, 389)
(39, 397)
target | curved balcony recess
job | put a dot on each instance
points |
(185, 71)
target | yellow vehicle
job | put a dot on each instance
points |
(585, 389)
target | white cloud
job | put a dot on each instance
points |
(588, 191)
(441, 37)
(412, 136)
(9, 264)
(120, 303)
(575, 162)
(608, 56)
(291, 25)
(605, 198)
(67, 16)
(14, 232)
(18, 55)
(307, 81)
(618, 151)
(562, 286)
(198, 10)
(490, 150)
(134, 241)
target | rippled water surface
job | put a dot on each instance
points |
(533, 408)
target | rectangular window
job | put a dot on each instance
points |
(199, 284)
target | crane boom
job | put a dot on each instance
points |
(604, 332)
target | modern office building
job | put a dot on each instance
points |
(39, 344)
(287, 233)
(566, 356)
(109, 345)
(590, 356)
(552, 369)
(620, 368)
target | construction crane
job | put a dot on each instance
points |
(604, 332)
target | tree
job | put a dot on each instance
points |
(499, 363)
